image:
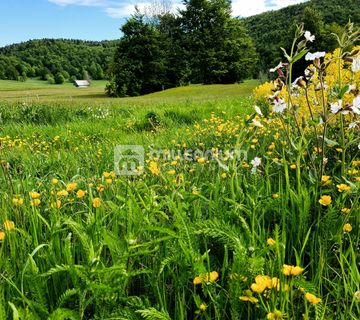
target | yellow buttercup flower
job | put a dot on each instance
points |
(34, 195)
(54, 181)
(197, 280)
(9, 225)
(343, 187)
(347, 227)
(293, 166)
(270, 242)
(202, 307)
(62, 193)
(275, 315)
(35, 202)
(292, 270)
(325, 200)
(312, 298)
(80, 194)
(208, 277)
(2, 235)
(201, 160)
(154, 169)
(326, 180)
(345, 210)
(18, 201)
(96, 202)
(109, 181)
(171, 172)
(275, 196)
(106, 174)
(71, 186)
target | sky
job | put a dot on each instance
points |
(22, 20)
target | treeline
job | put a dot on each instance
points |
(201, 44)
(274, 29)
(56, 60)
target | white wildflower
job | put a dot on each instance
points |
(338, 107)
(256, 162)
(257, 123)
(353, 125)
(279, 106)
(312, 56)
(356, 64)
(308, 36)
(258, 111)
(356, 105)
(277, 67)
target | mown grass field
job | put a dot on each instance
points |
(190, 237)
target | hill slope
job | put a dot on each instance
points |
(274, 29)
(50, 57)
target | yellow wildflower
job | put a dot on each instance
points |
(343, 187)
(2, 235)
(347, 227)
(18, 201)
(270, 242)
(291, 270)
(71, 186)
(34, 195)
(201, 160)
(154, 169)
(202, 307)
(54, 181)
(325, 200)
(171, 172)
(293, 166)
(106, 174)
(9, 225)
(312, 298)
(35, 202)
(326, 180)
(96, 202)
(345, 210)
(62, 193)
(80, 194)
(275, 315)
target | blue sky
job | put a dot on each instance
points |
(21, 20)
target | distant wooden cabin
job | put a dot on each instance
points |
(82, 83)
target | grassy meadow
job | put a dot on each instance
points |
(268, 235)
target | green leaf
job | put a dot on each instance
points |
(299, 55)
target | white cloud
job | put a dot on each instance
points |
(245, 8)
(123, 8)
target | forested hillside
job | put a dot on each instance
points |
(181, 51)
(56, 60)
(274, 29)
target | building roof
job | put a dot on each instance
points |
(82, 83)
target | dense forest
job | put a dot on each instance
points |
(200, 44)
(203, 43)
(274, 29)
(56, 60)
